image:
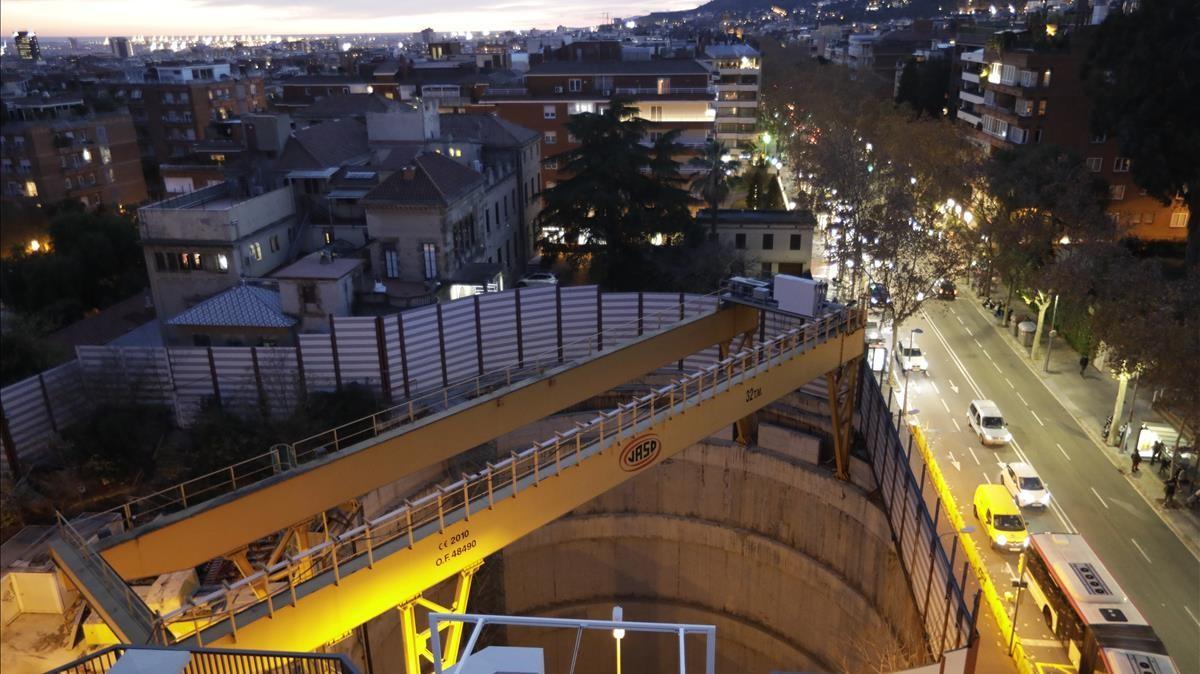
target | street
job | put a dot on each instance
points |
(969, 360)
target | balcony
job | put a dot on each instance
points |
(970, 77)
(506, 91)
(654, 91)
(972, 56)
(970, 97)
(970, 118)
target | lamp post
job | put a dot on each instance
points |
(911, 336)
(618, 634)
(1053, 332)
(1020, 584)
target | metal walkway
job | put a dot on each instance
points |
(280, 490)
(341, 583)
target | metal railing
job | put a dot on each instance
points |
(108, 578)
(219, 661)
(448, 504)
(283, 457)
(665, 91)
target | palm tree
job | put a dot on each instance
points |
(715, 180)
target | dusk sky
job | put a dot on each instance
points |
(282, 17)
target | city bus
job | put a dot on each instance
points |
(1088, 611)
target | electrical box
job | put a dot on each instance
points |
(797, 295)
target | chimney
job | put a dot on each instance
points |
(409, 172)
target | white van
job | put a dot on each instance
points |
(987, 422)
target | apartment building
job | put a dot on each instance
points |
(736, 69)
(173, 113)
(70, 154)
(203, 243)
(770, 241)
(1020, 91)
(304, 90)
(670, 94)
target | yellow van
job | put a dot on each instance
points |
(1000, 517)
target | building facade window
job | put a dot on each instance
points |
(391, 263)
(256, 251)
(1121, 165)
(768, 242)
(739, 241)
(549, 112)
(796, 242)
(1094, 164)
(575, 84)
(1116, 192)
(1042, 108)
(429, 258)
(1099, 138)
(1179, 219)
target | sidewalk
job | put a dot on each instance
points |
(1090, 400)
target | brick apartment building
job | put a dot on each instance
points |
(173, 113)
(669, 94)
(46, 157)
(1030, 92)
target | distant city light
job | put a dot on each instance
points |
(346, 46)
(35, 245)
(631, 24)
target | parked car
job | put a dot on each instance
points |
(1000, 517)
(910, 359)
(540, 278)
(983, 416)
(944, 289)
(1023, 483)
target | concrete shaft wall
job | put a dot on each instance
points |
(797, 570)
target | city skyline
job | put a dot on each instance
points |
(72, 18)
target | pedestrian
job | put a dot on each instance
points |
(1169, 491)
(1083, 363)
(1156, 452)
(1136, 459)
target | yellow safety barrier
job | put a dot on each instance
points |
(990, 593)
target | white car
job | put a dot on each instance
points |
(874, 331)
(540, 278)
(910, 358)
(1022, 481)
(985, 419)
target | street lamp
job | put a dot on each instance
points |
(911, 336)
(1053, 333)
(618, 633)
(1020, 584)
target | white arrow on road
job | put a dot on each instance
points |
(953, 461)
(952, 386)
(1011, 574)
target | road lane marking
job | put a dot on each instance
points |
(1035, 416)
(977, 343)
(985, 353)
(1064, 452)
(985, 476)
(972, 451)
(953, 461)
(956, 426)
(935, 388)
(1139, 549)
(1010, 384)
(1098, 496)
(969, 333)
(943, 401)
(960, 320)
(1192, 615)
(997, 367)
(1023, 401)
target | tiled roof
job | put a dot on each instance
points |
(487, 129)
(659, 67)
(436, 180)
(241, 306)
(324, 145)
(345, 105)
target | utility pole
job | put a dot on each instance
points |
(1053, 333)
(1020, 584)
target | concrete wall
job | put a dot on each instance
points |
(796, 569)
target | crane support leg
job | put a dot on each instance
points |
(416, 642)
(841, 408)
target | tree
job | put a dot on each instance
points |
(619, 194)
(714, 180)
(1141, 75)
(910, 84)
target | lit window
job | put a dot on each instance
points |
(1179, 219)
(30, 188)
(222, 262)
(1094, 164)
(1116, 192)
(550, 137)
(1121, 165)
(1046, 78)
(549, 112)
(256, 251)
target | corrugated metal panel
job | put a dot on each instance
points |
(498, 314)
(358, 351)
(421, 343)
(458, 323)
(318, 362)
